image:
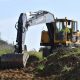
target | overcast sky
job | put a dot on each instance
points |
(11, 9)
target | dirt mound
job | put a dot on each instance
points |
(65, 64)
(62, 65)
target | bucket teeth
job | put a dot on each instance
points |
(13, 60)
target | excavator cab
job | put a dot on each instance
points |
(62, 33)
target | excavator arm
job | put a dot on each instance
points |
(36, 18)
(40, 17)
(19, 57)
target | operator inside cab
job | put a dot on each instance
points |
(65, 32)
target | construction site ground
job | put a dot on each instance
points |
(64, 64)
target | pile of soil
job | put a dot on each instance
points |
(64, 65)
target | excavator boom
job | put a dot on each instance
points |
(23, 23)
(40, 17)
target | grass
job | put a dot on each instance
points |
(36, 54)
(5, 51)
(66, 68)
(40, 67)
(5, 47)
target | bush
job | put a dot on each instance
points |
(36, 54)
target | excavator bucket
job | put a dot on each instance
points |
(18, 58)
(13, 60)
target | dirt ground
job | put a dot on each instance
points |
(64, 65)
(20, 74)
(15, 74)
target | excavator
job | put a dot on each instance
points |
(53, 37)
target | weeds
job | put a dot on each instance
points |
(5, 51)
(36, 54)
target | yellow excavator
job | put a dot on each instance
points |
(60, 32)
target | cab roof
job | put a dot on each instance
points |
(64, 20)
